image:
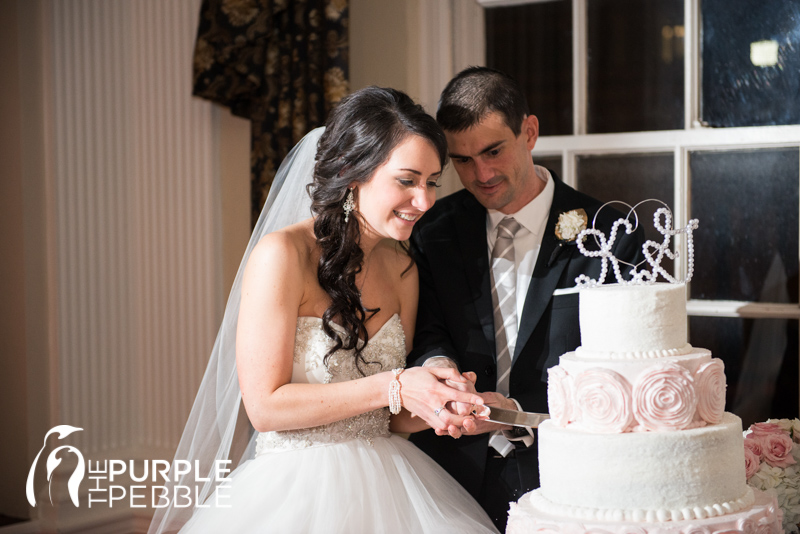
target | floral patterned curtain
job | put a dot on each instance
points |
(283, 64)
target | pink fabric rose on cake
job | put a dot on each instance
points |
(603, 399)
(559, 395)
(664, 398)
(711, 385)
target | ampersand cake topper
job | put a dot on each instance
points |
(653, 252)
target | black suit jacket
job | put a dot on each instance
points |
(455, 314)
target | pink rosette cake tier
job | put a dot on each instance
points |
(665, 398)
(639, 441)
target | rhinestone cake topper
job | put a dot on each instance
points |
(653, 252)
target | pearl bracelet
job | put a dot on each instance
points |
(395, 402)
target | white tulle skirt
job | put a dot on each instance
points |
(351, 487)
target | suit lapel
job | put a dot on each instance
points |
(471, 231)
(546, 272)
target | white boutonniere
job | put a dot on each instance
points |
(570, 224)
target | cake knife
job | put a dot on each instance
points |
(510, 417)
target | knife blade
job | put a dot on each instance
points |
(510, 417)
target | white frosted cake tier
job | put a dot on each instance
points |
(531, 514)
(612, 396)
(633, 321)
(639, 475)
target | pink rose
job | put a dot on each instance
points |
(777, 450)
(664, 398)
(751, 463)
(763, 429)
(754, 445)
(603, 399)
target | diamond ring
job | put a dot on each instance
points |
(438, 411)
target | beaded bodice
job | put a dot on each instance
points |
(385, 351)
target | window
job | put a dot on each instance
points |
(751, 67)
(635, 65)
(747, 242)
(533, 43)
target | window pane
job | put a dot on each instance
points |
(760, 358)
(553, 163)
(533, 43)
(746, 247)
(751, 65)
(631, 178)
(635, 65)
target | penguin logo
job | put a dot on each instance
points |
(52, 462)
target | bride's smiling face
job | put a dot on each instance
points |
(400, 190)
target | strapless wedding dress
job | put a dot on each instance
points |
(351, 476)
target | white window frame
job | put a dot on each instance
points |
(459, 27)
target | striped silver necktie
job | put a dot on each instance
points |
(504, 278)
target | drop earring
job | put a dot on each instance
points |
(349, 205)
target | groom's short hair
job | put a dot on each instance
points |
(477, 91)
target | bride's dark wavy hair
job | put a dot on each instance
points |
(360, 135)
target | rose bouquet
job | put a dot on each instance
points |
(772, 462)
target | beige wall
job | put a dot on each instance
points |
(385, 37)
(382, 51)
(234, 163)
(27, 307)
(12, 272)
(26, 315)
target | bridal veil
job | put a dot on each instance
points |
(216, 430)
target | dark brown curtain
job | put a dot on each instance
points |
(283, 64)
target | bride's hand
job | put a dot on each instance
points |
(425, 393)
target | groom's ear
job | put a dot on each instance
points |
(530, 129)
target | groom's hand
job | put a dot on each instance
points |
(457, 413)
(461, 408)
(427, 391)
(468, 425)
(475, 425)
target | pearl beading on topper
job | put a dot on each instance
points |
(653, 252)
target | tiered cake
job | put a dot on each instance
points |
(638, 439)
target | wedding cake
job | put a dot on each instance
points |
(638, 439)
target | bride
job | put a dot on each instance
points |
(313, 344)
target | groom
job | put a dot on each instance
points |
(495, 272)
